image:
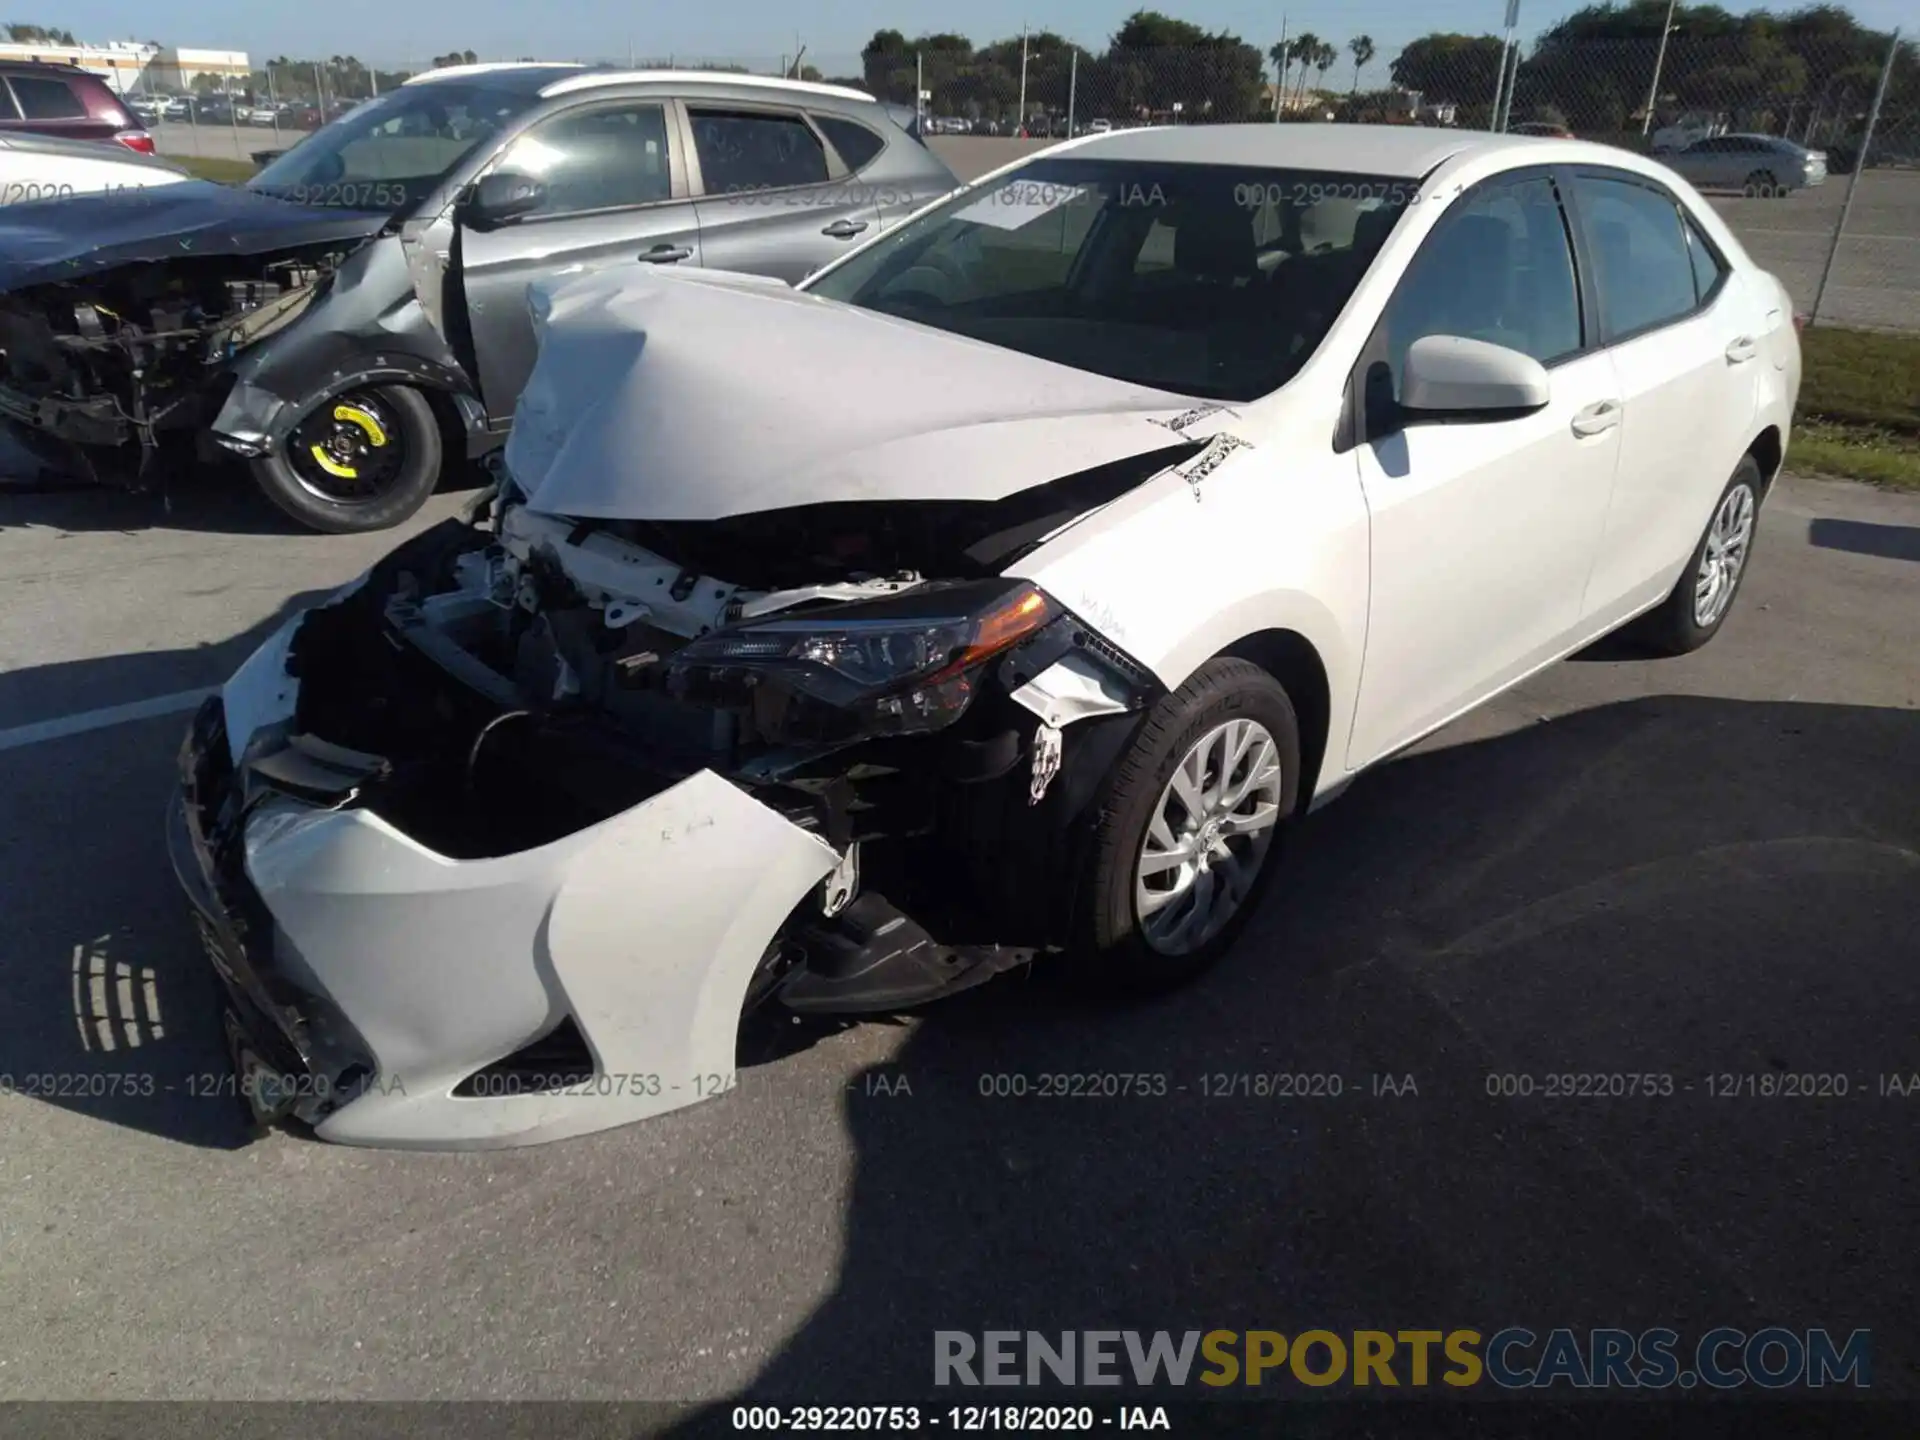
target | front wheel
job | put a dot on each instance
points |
(1703, 596)
(364, 460)
(1187, 837)
(1763, 185)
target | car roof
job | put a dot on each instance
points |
(594, 78)
(522, 76)
(1402, 151)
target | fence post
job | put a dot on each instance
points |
(233, 122)
(1073, 85)
(1853, 180)
(1659, 60)
(919, 93)
(319, 98)
(273, 106)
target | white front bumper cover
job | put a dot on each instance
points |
(645, 928)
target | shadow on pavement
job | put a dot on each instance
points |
(1710, 901)
(1892, 542)
(107, 1005)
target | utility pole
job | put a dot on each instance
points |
(1495, 120)
(1073, 85)
(1280, 88)
(1023, 77)
(1659, 60)
(919, 91)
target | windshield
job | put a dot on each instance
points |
(1214, 281)
(389, 153)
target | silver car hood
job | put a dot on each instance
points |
(702, 395)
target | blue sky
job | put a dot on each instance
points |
(753, 30)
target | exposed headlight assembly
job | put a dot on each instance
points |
(902, 665)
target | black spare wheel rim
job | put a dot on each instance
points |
(350, 450)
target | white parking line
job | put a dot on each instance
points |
(62, 726)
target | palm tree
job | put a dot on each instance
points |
(1323, 58)
(1304, 49)
(1362, 48)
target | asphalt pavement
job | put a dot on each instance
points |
(1693, 868)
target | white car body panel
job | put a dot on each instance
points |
(1493, 527)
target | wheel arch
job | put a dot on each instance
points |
(1291, 658)
(1769, 451)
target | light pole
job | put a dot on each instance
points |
(1023, 78)
(1659, 59)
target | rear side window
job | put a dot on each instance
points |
(755, 150)
(42, 99)
(855, 142)
(1497, 267)
(1640, 253)
(1708, 269)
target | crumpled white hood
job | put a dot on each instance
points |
(700, 395)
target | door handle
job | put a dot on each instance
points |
(1742, 350)
(845, 229)
(1597, 418)
(665, 254)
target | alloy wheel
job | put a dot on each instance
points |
(1208, 838)
(1721, 559)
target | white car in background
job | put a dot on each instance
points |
(44, 167)
(771, 676)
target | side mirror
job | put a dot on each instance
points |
(1449, 377)
(502, 196)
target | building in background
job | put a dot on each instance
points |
(133, 66)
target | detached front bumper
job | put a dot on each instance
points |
(380, 978)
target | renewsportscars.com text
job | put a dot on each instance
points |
(1514, 1358)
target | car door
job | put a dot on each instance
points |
(1482, 533)
(615, 192)
(774, 197)
(1685, 341)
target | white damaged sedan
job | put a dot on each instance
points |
(997, 597)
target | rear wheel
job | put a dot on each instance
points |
(1187, 837)
(1761, 183)
(1703, 596)
(364, 460)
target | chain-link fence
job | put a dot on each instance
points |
(1808, 143)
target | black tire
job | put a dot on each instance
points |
(1675, 627)
(1761, 183)
(404, 481)
(1111, 953)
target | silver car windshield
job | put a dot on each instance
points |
(389, 153)
(1208, 280)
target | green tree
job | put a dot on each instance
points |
(1456, 68)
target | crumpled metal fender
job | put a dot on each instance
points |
(368, 327)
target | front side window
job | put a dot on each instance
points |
(603, 158)
(1640, 254)
(47, 99)
(1209, 280)
(742, 150)
(1498, 267)
(389, 153)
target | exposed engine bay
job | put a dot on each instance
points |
(129, 354)
(494, 687)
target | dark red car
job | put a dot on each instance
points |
(64, 100)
